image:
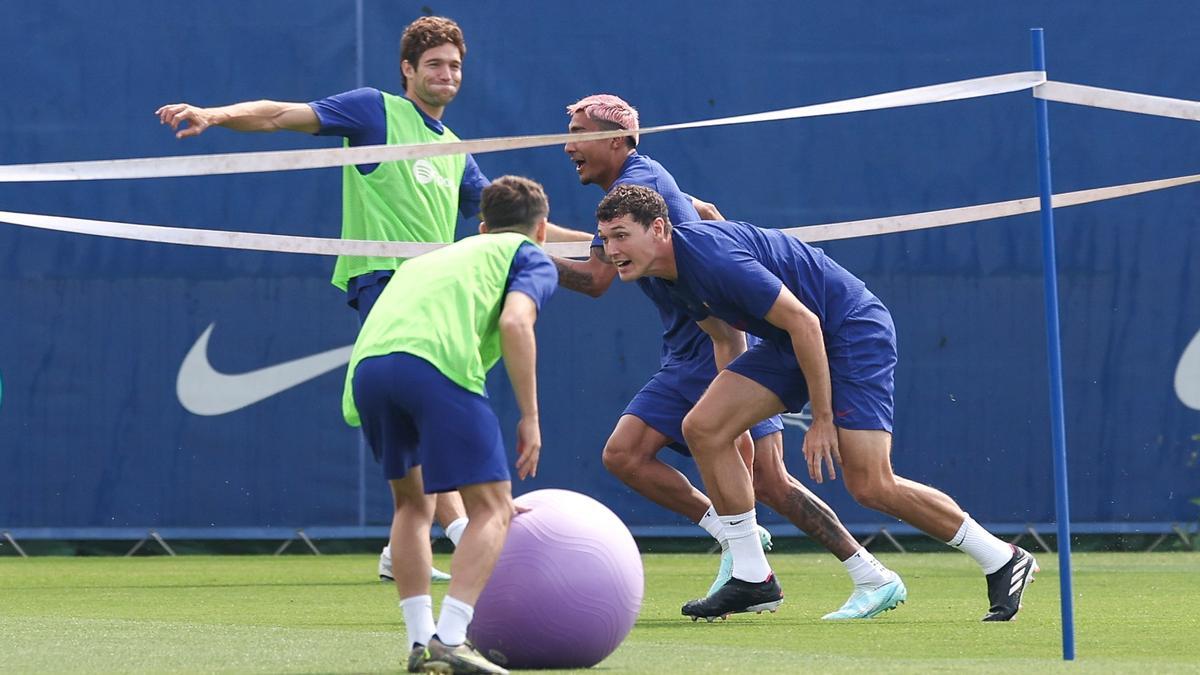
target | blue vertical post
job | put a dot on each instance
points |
(1054, 350)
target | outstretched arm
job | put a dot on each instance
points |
(557, 234)
(247, 116)
(804, 328)
(591, 277)
(519, 347)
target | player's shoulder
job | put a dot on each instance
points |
(360, 95)
(703, 230)
(641, 170)
(531, 251)
(708, 243)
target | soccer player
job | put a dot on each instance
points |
(416, 385)
(825, 339)
(653, 419)
(394, 201)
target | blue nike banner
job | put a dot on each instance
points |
(146, 385)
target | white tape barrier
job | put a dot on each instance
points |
(1112, 99)
(812, 233)
(969, 214)
(291, 160)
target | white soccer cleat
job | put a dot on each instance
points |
(385, 568)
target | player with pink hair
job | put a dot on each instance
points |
(653, 419)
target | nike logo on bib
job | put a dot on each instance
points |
(204, 391)
(1187, 375)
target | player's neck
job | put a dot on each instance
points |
(663, 266)
(607, 181)
(434, 112)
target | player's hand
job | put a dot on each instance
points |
(707, 210)
(529, 447)
(175, 114)
(821, 445)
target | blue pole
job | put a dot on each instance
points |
(1054, 350)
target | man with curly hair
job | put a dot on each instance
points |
(825, 339)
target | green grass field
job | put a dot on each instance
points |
(1134, 613)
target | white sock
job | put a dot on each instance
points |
(866, 571)
(454, 531)
(387, 553)
(711, 523)
(452, 624)
(749, 561)
(418, 618)
(990, 552)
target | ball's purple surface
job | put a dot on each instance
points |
(567, 588)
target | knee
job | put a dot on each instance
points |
(620, 459)
(702, 433)
(417, 508)
(407, 497)
(873, 494)
(489, 506)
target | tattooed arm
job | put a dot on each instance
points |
(591, 277)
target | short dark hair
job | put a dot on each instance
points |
(636, 201)
(426, 33)
(514, 203)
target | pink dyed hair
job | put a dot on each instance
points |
(608, 108)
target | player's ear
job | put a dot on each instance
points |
(660, 228)
(539, 232)
(483, 228)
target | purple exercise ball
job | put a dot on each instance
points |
(566, 589)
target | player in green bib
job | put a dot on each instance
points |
(416, 386)
(408, 201)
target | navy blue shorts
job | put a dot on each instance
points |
(362, 291)
(862, 369)
(413, 415)
(663, 406)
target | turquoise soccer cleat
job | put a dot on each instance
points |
(864, 604)
(725, 571)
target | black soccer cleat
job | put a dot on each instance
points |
(1007, 584)
(737, 596)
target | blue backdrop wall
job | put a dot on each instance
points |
(93, 331)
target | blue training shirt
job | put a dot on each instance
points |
(734, 271)
(532, 273)
(685, 346)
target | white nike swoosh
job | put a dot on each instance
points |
(204, 391)
(1187, 374)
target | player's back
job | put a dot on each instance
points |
(823, 286)
(445, 307)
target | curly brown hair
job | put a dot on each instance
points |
(636, 201)
(426, 33)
